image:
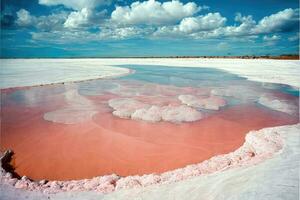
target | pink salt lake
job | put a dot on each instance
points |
(65, 132)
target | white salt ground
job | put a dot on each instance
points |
(29, 72)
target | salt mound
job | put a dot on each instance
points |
(209, 103)
(278, 105)
(153, 114)
(125, 107)
(181, 113)
(133, 109)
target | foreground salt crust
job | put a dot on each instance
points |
(258, 146)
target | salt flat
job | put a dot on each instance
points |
(32, 72)
(29, 72)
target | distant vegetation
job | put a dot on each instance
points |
(283, 57)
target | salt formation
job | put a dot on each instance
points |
(79, 109)
(152, 114)
(125, 107)
(222, 92)
(133, 109)
(209, 103)
(278, 105)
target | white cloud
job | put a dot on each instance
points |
(75, 4)
(203, 26)
(154, 12)
(272, 38)
(51, 22)
(148, 19)
(78, 18)
(282, 21)
(125, 32)
(207, 22)
(42, 23)
(246, 25)
(24, 18)
(279, 22)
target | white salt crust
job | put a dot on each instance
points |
(209, 103)
(278, 105)
(33, 72)
(30, 72)
(133, 109)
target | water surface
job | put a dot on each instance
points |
(68, 131)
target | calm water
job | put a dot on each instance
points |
(80, 130)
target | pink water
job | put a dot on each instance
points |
(81, 138)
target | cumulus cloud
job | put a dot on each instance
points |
(246, 25)
(279, 22)
(78, 18)
(51, 22)
(75, 4)
(153, 19)
(201, 26)
(212, 25)
(282, 21)
(154, 12)
(59, 21)
(84, 14)
(124, 32)
(207, 22)
(24, 18)
(42, 23)
(272, 38)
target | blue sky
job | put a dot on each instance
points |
(100, 28)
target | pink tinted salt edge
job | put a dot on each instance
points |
(258, 146)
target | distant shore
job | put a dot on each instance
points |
(280, 57)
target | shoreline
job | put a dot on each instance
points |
(259, 146)
(8, 89)
(260, 70)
